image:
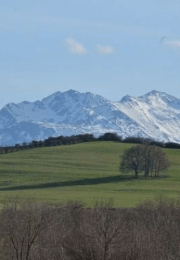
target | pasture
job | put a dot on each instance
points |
(84, 172)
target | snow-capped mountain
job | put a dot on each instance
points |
(155, 115)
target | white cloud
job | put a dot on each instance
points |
(104, 50)
(75, 47)
(175, 44)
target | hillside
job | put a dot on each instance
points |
(84, 172)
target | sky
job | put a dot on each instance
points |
(111, 48)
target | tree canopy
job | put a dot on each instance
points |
(146, 158)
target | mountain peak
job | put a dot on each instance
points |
(162, 95)
(126, 99)
(71, 92)
(154, 93)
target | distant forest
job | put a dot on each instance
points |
(75, 139)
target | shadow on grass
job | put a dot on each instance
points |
(82, 182)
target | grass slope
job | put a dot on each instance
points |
(84, 172)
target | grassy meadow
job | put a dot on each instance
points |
(85, 172)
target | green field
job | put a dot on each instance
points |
(84, 172)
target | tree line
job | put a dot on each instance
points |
(33, 231)
(74, 139)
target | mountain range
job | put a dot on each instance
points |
(155, 115)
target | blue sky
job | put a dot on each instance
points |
(111, 48)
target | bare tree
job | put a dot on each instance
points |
(161, 161)
(21, 227)
(144, 157)
(98, 234)
(149, 158)
(150, 231)
(133, 160)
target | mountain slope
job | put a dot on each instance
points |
(156, 112)
(155, 115)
